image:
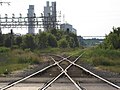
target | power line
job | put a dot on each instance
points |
(1, 3)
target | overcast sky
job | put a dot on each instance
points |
(89, 17)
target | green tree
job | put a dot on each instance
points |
(7, 40)
(75, 39)
(1, 39)
(63, 43)
(112, 41)
(28, 42)
(52, 40)
(71, 42)
(42, 40)
(54, 32)
(18, 40)
(57, 33)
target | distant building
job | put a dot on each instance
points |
(74, 31)
(68, 27)
(49, 16)
(31, 26)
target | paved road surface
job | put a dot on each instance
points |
(60, 86)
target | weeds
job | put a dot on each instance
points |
(11, 60)
(17, 59)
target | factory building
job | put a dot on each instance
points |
(31, 26)
(68, 27)
(74, 31)
(49, 16)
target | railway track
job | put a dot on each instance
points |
(11, 84)
(63, 71)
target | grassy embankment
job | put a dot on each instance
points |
(11, 60)
(17, 59)
(102, 59)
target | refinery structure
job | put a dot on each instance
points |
(31, 29)
(50, 16)
(48, 20)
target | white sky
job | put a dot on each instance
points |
(89, 17)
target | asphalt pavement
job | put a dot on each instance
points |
(60, 84)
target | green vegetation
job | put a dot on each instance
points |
(112, 41)
(18, 52)
(100, 58)
(11, 60)
(91, 42)
(63, 43)
(53, 38)
(19, 59)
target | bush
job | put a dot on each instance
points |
(101, 61)
(63, 43)
(102, 57)
(27, 50)
(4, 49)
(52, 40)
(112, 41)
(6, 72)
(23, 60)
(15, 47)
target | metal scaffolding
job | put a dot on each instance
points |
(24, 22)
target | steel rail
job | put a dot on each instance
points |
(59, 74)
(47, 84)
(65, 72)
(93, 74)
(71, 61)
(53, 80)
(79, 88)
(83, 88)
(25, 78)
(110, 83)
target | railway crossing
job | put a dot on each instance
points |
(63, 71)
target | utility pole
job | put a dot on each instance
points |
(11, 37)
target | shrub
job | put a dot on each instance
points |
(4, 49)
(52, 40)
(101, 61)
(63, 43)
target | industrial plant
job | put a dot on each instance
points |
(31, 29)
(48, 20)
(50, 16)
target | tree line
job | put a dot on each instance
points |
(51, 38)
(112, 40)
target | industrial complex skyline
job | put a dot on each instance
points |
(89, 17)
(48, 20)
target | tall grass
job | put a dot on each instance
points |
(26, 56)
(104, 59)
(4, 49)
(8, 68)
(17, 59)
